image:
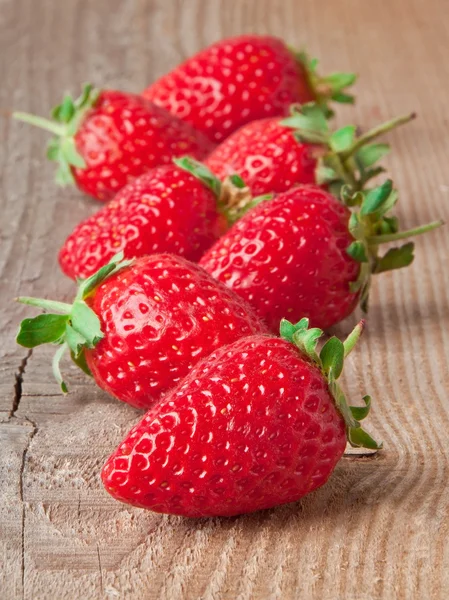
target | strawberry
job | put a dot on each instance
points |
(259, 422)
(303, 252)
(138, 327)
(167, 209)
(241, 79)
(274, 154)
(106, 138)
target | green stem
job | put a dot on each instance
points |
(400, 235)
(376, 132)
(39, 122)
(353, 337)
(347, 174)
(51, 305)
(56, 368)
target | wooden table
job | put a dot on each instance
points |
(379, 528)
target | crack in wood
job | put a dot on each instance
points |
(101, 570)
(21, 486)
(18, 383)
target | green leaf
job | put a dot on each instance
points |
(89, 285)
(343, 138)
(311, 137)
(339, 81)
(56, 367)
(355, 286)
(392, 223)
(64, 175)
(376, 197)
(43, 329)
(359, 438)
(343, 98)
(75, 341)
(395, 258)
(307, 340)
(81, 362)
(237, 181)
(324, 174)
(357, 251)
(354, 226)
(86, 323)
(65, 111)
(361, 412)
(332, 356)
(311, 120)
(85, 96)
(368, 155)
(340, 401)
(70, 153)
(201, 172)
(53, 150)
(349, 198)
(387, 205)
(287, 329)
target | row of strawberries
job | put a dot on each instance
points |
(282, 225)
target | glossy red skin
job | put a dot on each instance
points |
(159, 318)
(267, 157)
(233, 82)
(123, 136)
(164, 210)
(252, 426)
(287, 257)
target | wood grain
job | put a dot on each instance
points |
(379, 529)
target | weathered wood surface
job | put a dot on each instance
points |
(379, 529)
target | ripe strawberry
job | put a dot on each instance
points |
(273, 155)
(260, 422)
(138, 327)
(241, 79)
(164, 210)
(303, 252)
(106, 138)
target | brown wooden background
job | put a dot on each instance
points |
(379, 529)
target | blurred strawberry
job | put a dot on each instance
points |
(176, 209)
(106, 138)
(241, 79)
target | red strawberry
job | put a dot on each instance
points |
(241, 79)
(270, 157)
(106, 138)
(164, 210)
(260, 422)
(304, 253)
(138, 327)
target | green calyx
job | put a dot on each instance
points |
(67, 117)
(74, 327)
(330, 361)
(332, 88)
(343, 157)
(371, 226)
(233, 195)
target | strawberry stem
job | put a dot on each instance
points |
(56, 367)
(51, 305)
(67, 118)
(76, 328)
(40, 122)
(400, 235)
(330, 360)
(375, 133)
(353, 338)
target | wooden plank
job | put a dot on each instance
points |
(379, 529)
